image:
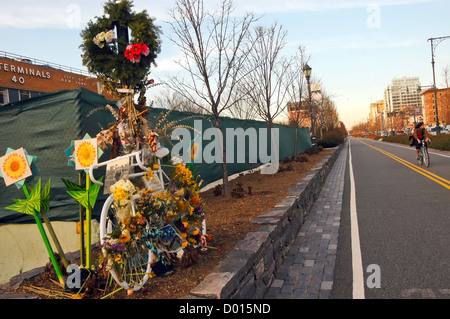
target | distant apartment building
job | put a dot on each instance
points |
(377, 115)
(429, 106)
(403, 102)
(23, 78)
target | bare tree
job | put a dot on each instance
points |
(167, 99)
(242, 109)
(214, 51)
(446, 75)
(266, 80)
(326, 115)
(297, 91)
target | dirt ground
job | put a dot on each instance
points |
(228, 220)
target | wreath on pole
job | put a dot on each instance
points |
(120, 61)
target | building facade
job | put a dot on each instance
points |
(377, 116)
(22, 78)
(299, 114)
(429, 106)
(403, 102)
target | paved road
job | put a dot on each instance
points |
(393, 220)
(403, 218)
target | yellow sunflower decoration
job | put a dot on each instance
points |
(85, 153)
(14, 167)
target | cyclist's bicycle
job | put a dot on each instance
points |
(424, 156)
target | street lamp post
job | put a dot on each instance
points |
(434, 43)
(307, 71)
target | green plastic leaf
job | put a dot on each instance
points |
(30, 205)
(45, 196)
(22, 206)
(80, 196)
(35, 197)
(93, 193)
(72, 186)
(86, 197)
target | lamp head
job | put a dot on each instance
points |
(307, 71)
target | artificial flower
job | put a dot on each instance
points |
(135, 51)
(129, 55)
(104, 38)
(109, 36)
(195, 201)
(15, 166)
(120, 194)
(86, 154)
(124, 238)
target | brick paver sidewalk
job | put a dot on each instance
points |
(308, 269)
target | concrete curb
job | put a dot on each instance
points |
(248, 270)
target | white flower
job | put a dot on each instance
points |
(101, 36)
(123, 202)
(176, 160)
(109, 36)
(127, 186)
(96, 41)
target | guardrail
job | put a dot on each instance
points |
(42, 63)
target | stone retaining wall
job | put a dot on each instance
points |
(248, 270)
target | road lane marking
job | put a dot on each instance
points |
(357, 267)
(430, 150)
(441, 181)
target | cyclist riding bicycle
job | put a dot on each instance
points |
(420, 135)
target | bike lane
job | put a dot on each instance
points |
(403, 223)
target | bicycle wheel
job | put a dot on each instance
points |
(135, 267)
(420, 159)
(426, 156)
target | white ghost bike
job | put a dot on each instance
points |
(135, 270)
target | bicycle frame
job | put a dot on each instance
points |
(139, 157)
(423, 153)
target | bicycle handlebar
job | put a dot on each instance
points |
(135, 154)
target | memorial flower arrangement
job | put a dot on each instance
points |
(166, 221)
(104, 51)
(162, 221)
(148, 217)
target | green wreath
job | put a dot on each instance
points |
(104, 48)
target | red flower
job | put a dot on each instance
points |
(129, 54)
(135, 51)
(145, 50)
(137, 48)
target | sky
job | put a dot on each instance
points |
(357, 47)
